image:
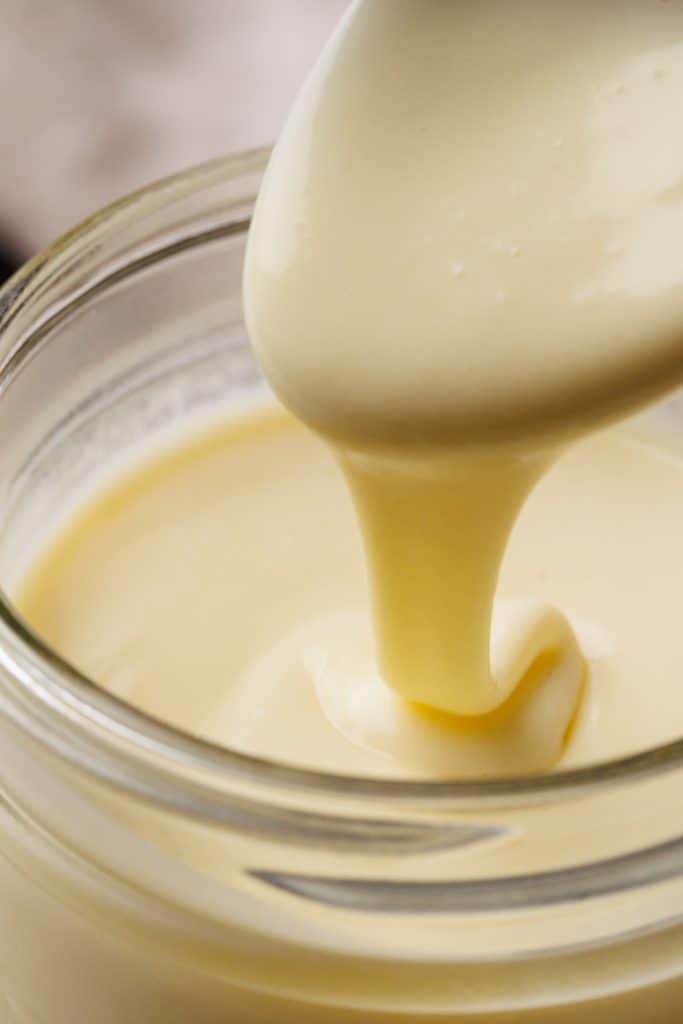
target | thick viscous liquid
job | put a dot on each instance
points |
(221, 587)
(465, 254)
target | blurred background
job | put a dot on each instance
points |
(102, 96)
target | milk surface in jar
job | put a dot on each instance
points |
(450, 316)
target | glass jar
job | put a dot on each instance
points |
(146, 876)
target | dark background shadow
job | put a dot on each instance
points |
(8, 264)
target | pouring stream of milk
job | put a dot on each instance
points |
(466, 254)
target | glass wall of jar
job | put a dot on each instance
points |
(147, 876)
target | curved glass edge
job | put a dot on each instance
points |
(174, 186)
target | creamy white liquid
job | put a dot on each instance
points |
(241, 546)
(471, 226)
(467, 251)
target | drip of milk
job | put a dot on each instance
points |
(466, 254)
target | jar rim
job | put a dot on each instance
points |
(46, 690)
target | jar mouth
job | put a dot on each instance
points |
(85, 724)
